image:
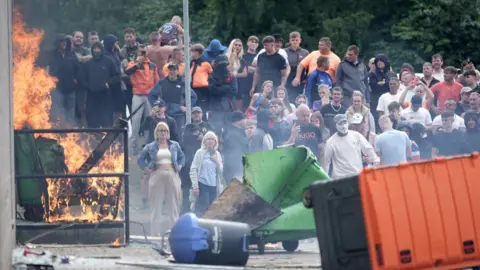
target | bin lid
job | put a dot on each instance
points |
(186, 238)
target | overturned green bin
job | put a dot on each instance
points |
(270, 199)
(36, 156)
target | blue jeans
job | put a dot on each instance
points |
(206, 197)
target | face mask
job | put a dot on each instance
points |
(342, 127)
(97, 55)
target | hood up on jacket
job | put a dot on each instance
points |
(214, 49)
(59, 39)
(98, 44)
(109, 42)
(384, 59)
(404, 124)
(469, 115)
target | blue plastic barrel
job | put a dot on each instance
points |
(208, 241)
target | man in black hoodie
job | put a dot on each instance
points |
(63, 65)
(192, 141)
(98, 75)
(112, 50)
(471, 138)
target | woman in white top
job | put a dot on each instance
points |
(358, 106)
(206, 173)
(162, 159)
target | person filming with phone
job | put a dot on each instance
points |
(305, 133)
(143, 76)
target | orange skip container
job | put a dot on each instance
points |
(423, 215)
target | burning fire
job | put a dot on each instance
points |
(116, 243)
(32, 103)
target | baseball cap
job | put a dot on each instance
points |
(416, 100)
(173, 65)
(237, 116)
(196, 109)
(357, 118)
(339, 118)
(466, 90)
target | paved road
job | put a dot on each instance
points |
(307, 257)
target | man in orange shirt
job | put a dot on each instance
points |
(310, 62)
(143, 76)
(447, 89)
(178, 58)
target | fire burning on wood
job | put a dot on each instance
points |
(95, 199)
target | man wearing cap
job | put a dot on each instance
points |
(192, 141)
(178, 57)
(416, 114)
(359, 124)
(172, 91)
(464, 104)
(344, 150)
(235, 145)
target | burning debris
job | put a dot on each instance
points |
(62, 200)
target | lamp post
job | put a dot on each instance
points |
(186, 45)
(7, 183)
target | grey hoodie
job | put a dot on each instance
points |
(351, 77)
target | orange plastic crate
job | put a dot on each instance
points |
(423, 215)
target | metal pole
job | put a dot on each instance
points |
(126, 188)
(186, 45)
(7, 183)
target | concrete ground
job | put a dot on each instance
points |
(129, 257)
(137, 256)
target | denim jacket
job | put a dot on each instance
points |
(148, 156)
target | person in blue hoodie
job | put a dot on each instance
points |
(214, 49)
(317, 78)
(112, 50)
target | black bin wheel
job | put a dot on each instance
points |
(290, 245)
(307, 198)
(261, 246)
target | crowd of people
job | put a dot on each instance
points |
(349, 114)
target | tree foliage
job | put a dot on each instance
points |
(407, 31)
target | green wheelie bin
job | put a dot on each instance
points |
(270, 198)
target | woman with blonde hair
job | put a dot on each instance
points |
(163, 159)
(235, 55)
(206, 173)
(239, 67)
(358, 106)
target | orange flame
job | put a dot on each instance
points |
(116, 243)
(32, 103)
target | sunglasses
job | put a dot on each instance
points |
(163, 130)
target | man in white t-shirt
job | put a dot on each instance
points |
(416, 114)
(458, 122)
(344, 150)
(387, 98)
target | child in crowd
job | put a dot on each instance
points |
(324, 93)
(259, 100)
